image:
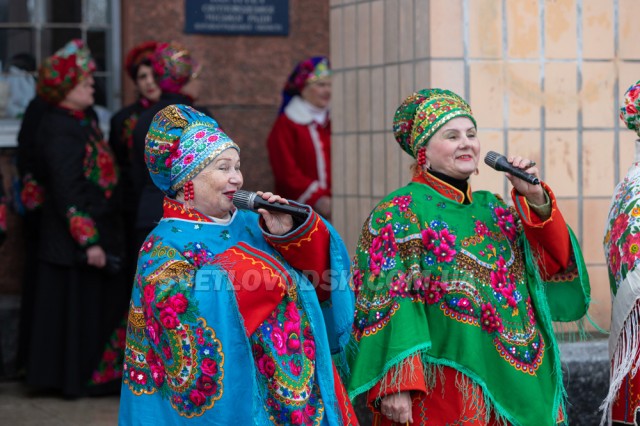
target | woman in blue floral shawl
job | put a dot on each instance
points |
(234, 315)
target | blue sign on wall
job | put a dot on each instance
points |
(252, 17)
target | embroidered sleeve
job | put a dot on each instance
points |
(548, 238)
(306, 248)
(82, 227)
(121, 135)
(32, 193)
(99, 165)
(68, 187)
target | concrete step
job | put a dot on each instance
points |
(586, 376)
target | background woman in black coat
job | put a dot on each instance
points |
(175, 70)
(79, 295)
(139, 67)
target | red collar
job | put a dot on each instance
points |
(442, 187)
(146, 103)
(174, 209)
(77, 114)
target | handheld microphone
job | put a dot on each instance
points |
(251, 201)
(499, 162)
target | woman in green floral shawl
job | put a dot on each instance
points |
(456, 291)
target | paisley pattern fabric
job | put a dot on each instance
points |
(486, 292)
(421, 115)
(223, 330)
(284, 353)
(622, 236)
(180, 143)
(463, 277)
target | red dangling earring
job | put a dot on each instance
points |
(189, 194)
(422, 159)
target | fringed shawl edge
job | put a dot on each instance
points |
(624, 341)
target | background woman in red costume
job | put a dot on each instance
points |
(300, 141)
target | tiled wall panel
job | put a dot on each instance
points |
(543, 77)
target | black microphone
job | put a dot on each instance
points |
(499, 162)
(251, 201)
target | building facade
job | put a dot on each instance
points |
(240, 79)
(543, 77)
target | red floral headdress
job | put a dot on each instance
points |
(137, 55)
(62, 71)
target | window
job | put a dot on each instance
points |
(31, 30)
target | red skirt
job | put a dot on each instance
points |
(446, 404)
(627, 401)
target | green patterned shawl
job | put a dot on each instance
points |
(457, 285)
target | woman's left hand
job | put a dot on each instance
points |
(397, 407)
(533, 193)
(277, 223)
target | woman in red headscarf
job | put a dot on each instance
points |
(299, 144)
(174, 69)
(139, 67)
(79, 294)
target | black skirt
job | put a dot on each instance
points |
(75, 311)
